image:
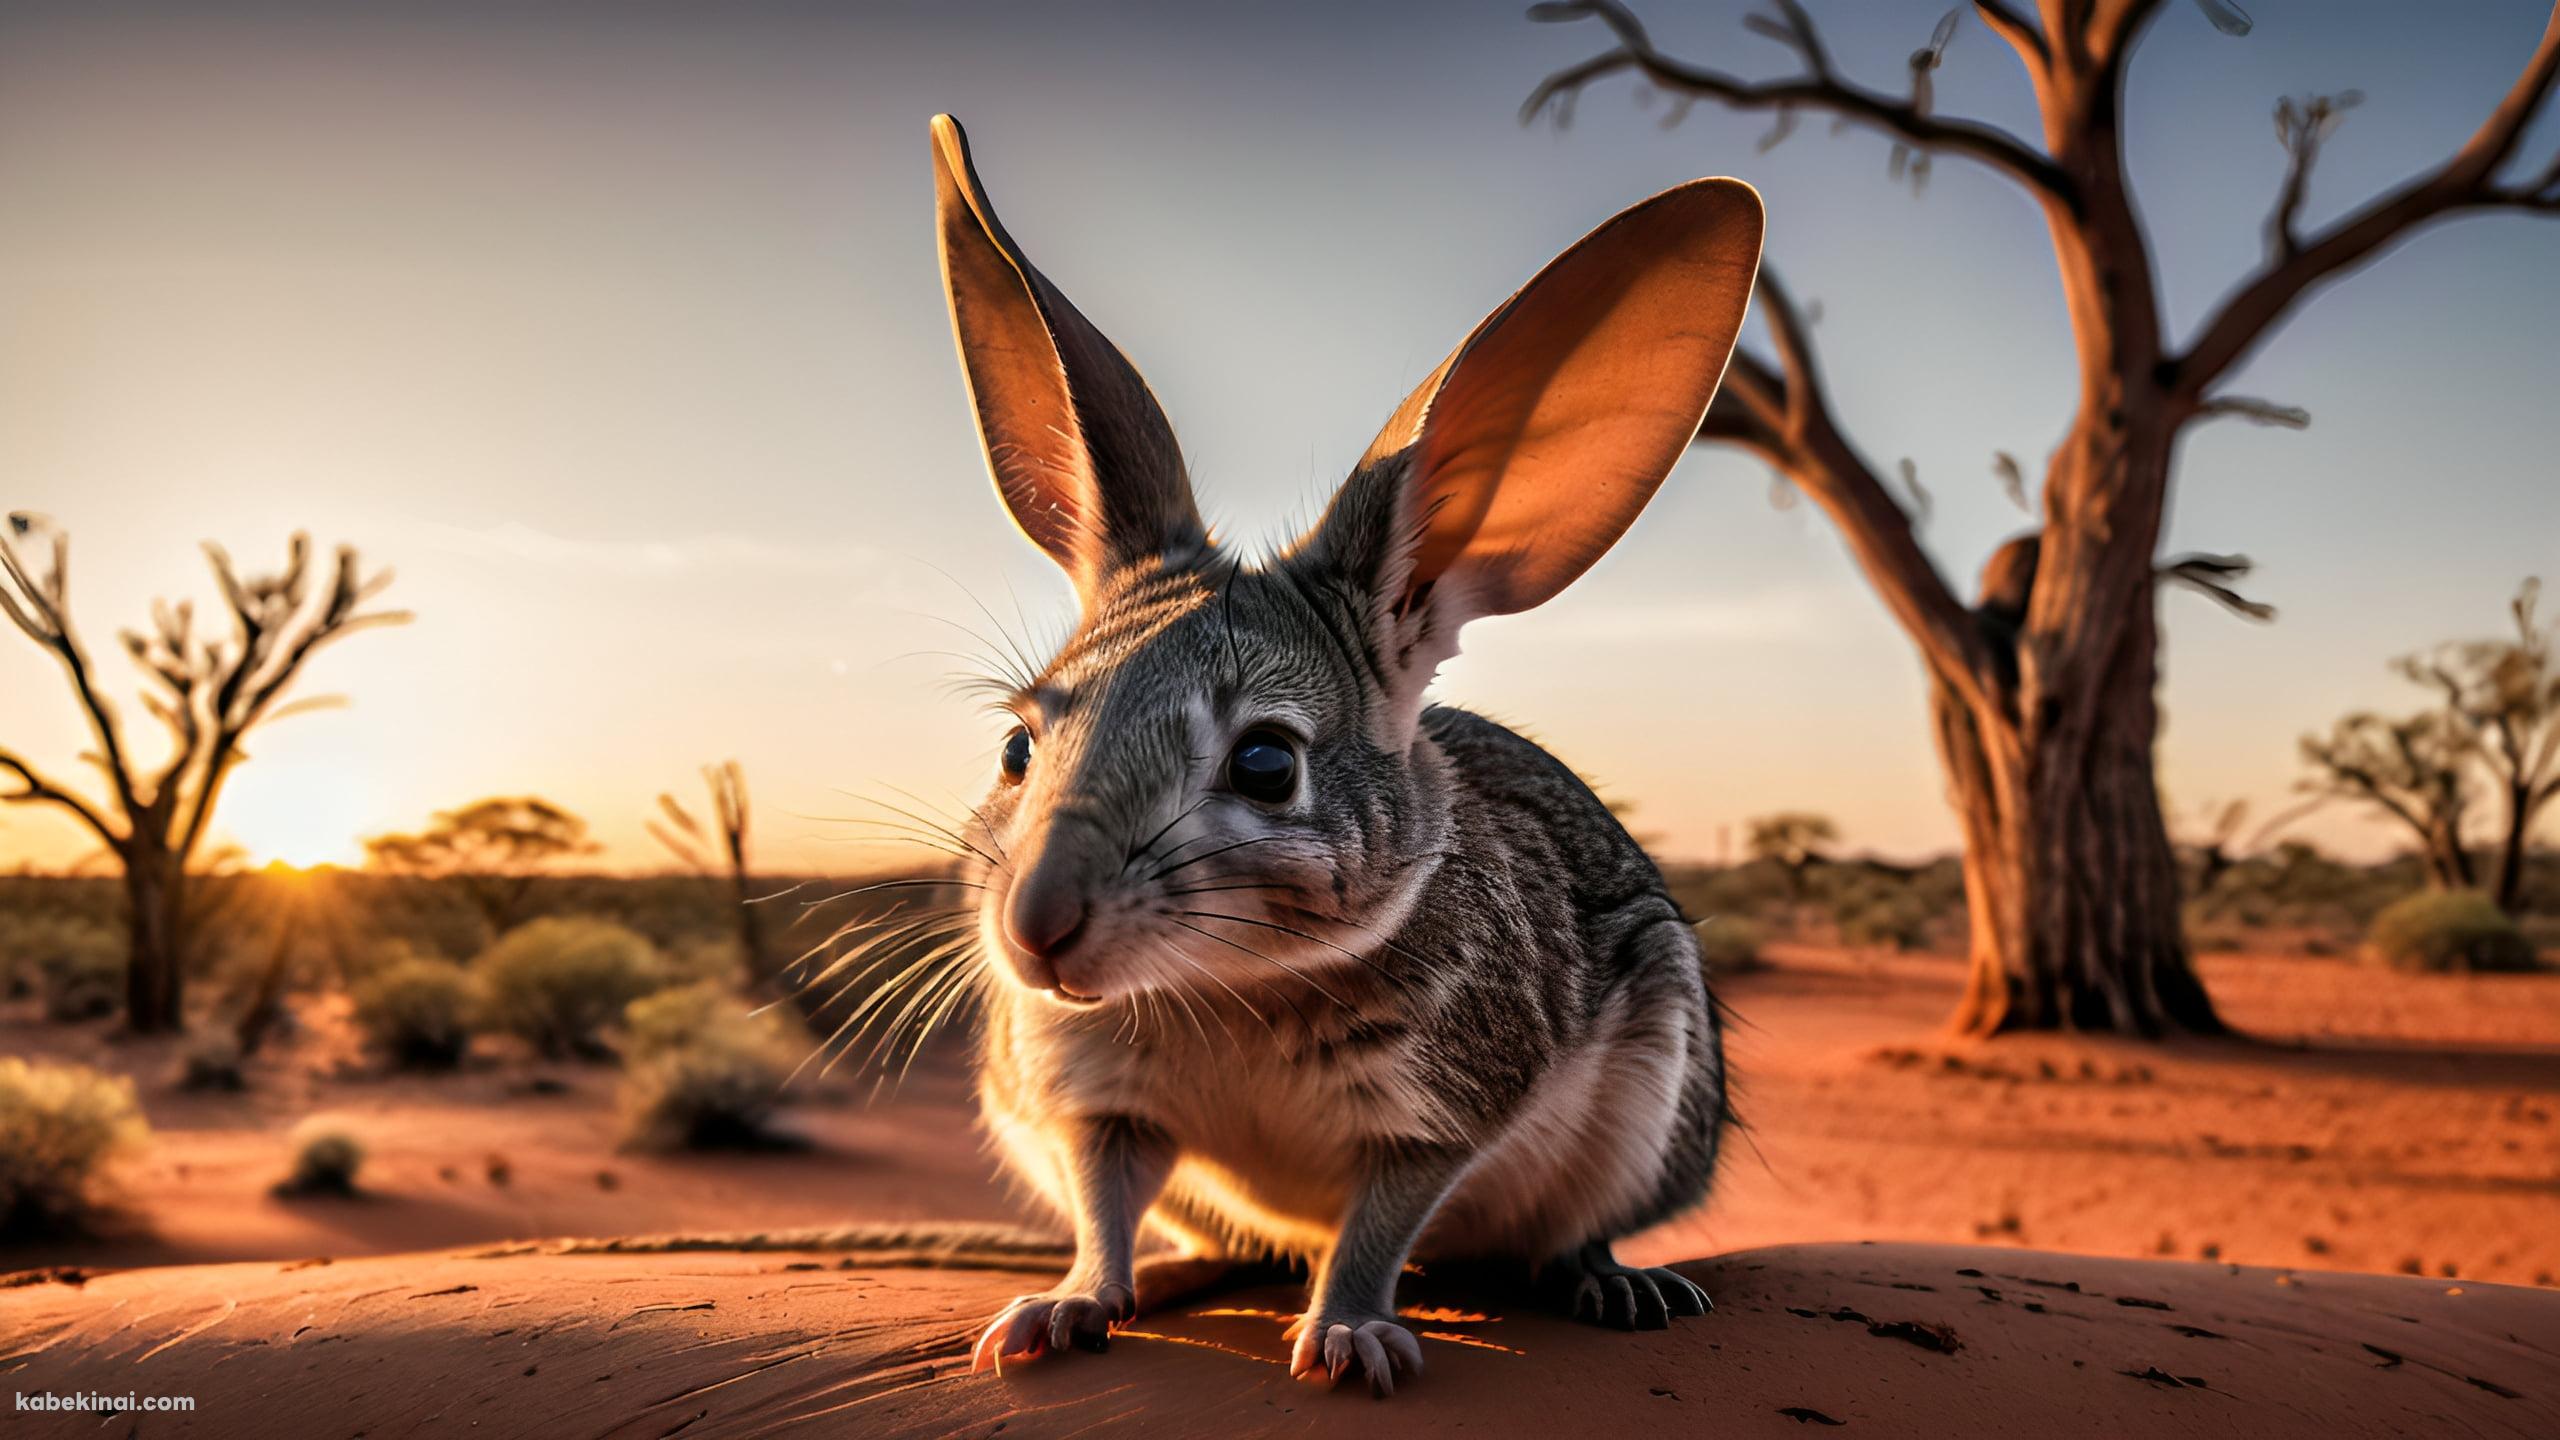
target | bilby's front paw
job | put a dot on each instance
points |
(1337, 1345)
(1069, 1315)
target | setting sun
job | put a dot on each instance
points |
(300, 816)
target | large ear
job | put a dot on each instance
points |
(1081, 452)
(1534, 446)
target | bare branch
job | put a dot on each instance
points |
(2210, 575)
(2302, 126)
(37, 790)
(45, 599)
(2015, 27)
(1780, 413)
(278, 623)
(1821, 88)
(2228, 18)
(677, 845)
(2257, 412)
(2466, 181)
(2013, 479)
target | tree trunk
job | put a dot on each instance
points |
(155, 969)
(2070, 879)
(2448, 860)
(2519, 840)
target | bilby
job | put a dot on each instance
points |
(1280, 959)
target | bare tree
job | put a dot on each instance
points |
(2412, 770)
(2222, 846)
(495, 849)
(2214, 855)
(2498, 719)
(692, 843)
(2043, 692)
(210, 693)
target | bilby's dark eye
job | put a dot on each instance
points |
(1264, 767)
(1017, 756)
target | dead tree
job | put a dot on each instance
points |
(688, 840)
(2499, 717)
(2044, 694)
(208, 692)
(2413, 770)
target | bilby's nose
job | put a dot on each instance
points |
(1045, 915)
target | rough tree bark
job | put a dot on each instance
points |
(2043, 695)
(209, 693)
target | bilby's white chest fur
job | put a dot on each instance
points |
(1272, 1142)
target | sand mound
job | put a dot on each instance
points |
(1883, 1339)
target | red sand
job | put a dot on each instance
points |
(2376, 1123)
(1885, 1339)
(2418, 1130)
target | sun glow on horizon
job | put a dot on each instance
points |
(296, 816)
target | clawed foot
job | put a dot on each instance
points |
(1598, 1289)
(1337, 1345)
(1036, 1324)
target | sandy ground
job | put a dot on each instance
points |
(2372, 1122)
(2375, 1122)
(1885, 1339)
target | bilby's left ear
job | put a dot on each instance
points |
(1535, 445)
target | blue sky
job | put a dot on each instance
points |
(617, 330)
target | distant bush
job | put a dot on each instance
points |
(1760, 888)
(2436, 930)
(418, 1011)
(325, 1161)
(76, 966)
(718, 959)
(702, 1071)
(1875, 909)
(1729, 946)
(558, 982)
(60, 1128)
(1885, 922)
(210, 1060)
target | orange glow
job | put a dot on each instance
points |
(1195, 1344)
(1470, 1341)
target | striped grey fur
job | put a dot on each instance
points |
(1429, 1000)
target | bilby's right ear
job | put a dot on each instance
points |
(1081, 452)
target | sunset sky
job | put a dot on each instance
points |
(623, 342)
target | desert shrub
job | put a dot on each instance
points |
(2294, 887)
(418, 1011)
(1874, 908)
(365, 957)
(702, 1070)
(325, 1161)
(716, 959)
(211, 1060)
(61, 1126)
(1729, 946)
(1758, 889)
(2436, 930)
(557, 982)
(2541, 931)
(76, 966)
